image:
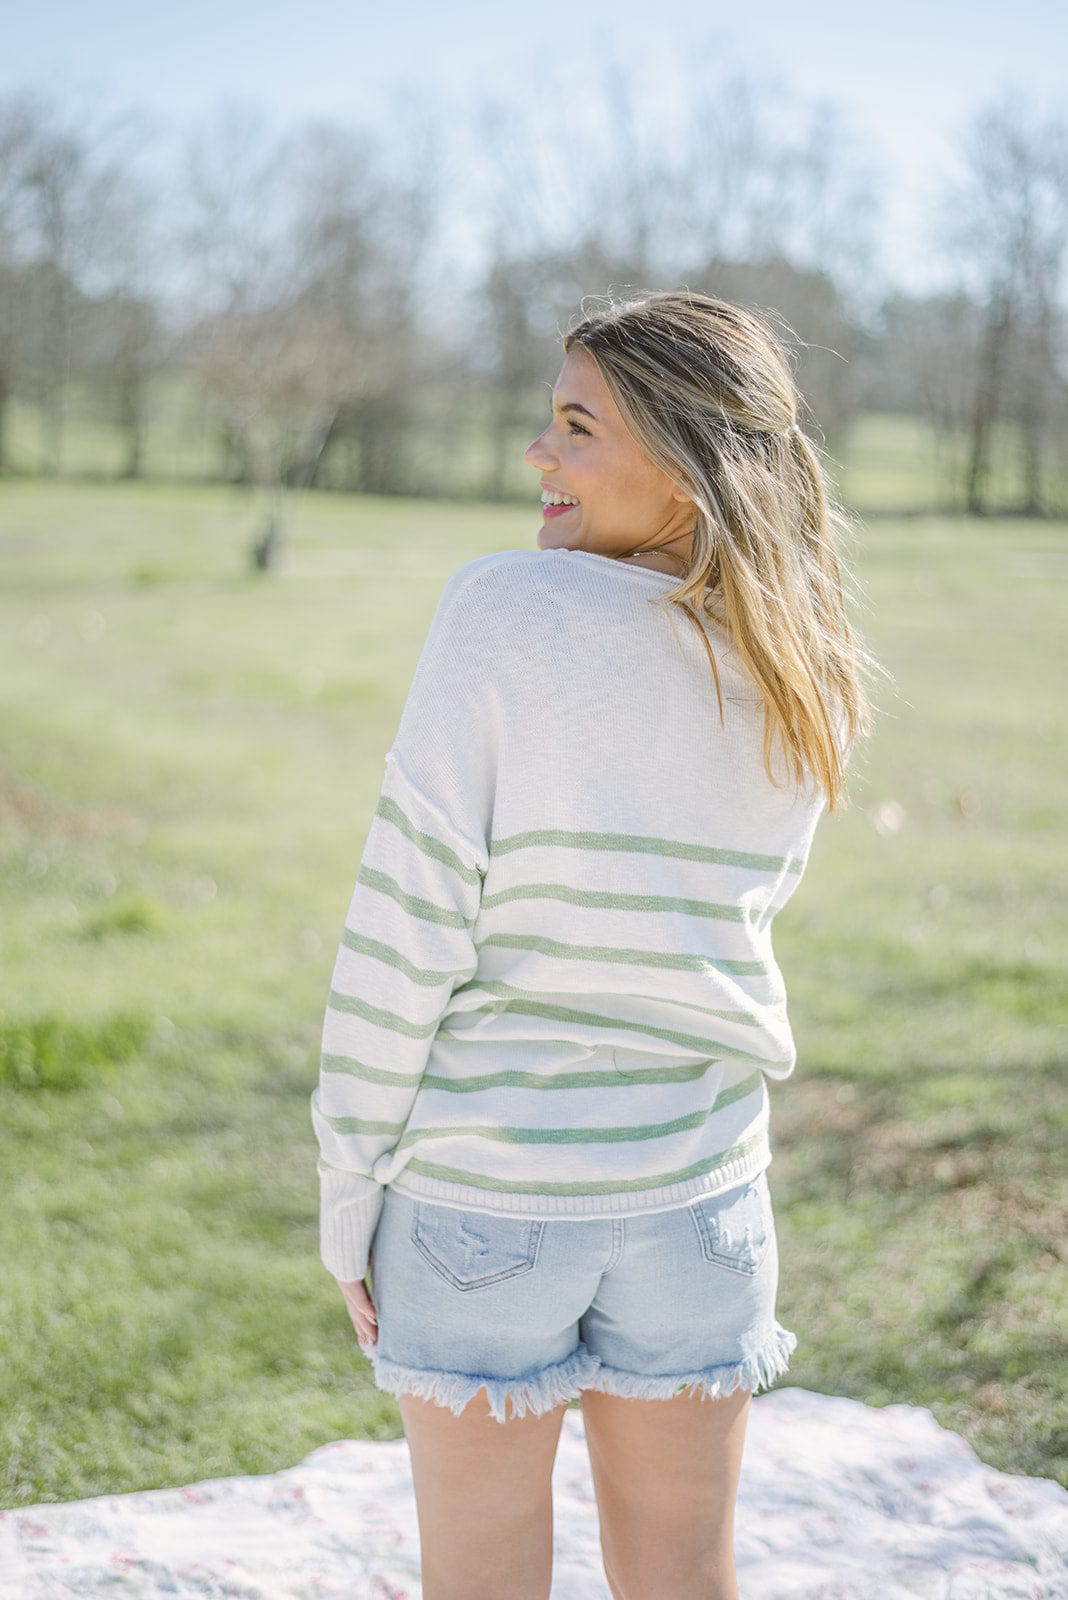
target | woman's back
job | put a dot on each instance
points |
(596, 1039)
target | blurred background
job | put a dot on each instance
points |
(281, 290)
(326, 247)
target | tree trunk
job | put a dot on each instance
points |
(501, 442)
(5, 396)
(326, 439)
(1031, 455)
(52, 421)
(238, 464)
(985, 409)
(1034, 412)
(384, 450)
(132, 421)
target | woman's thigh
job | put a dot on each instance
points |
(683, 1326)
(665, 1474)
(478, 1339)
(483, 1496)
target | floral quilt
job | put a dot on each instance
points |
(838, 1501)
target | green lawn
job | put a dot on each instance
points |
(190, 760)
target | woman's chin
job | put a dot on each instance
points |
(553, 538)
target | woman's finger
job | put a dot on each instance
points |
(361, 1311)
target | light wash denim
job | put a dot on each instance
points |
(536, 1311)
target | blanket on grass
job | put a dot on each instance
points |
(838, 1501)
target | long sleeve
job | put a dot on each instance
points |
(407, 940)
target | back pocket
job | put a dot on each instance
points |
(471, 1249)
(736, 1227)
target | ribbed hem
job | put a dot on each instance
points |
(574, 1207)
(757, 1372)
(536, 1392)
(349, 1209)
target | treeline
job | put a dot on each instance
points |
(325, 305)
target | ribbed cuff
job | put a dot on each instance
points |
(349, 1208)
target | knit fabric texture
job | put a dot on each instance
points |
(555, 993)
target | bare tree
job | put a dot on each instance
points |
(729, 191)
(769, 177)
(19, 120)
(130, 345)
(369, 218)
(73, 170)
(922, 360)
(306, 252)
(265, 358)
(1008, 226)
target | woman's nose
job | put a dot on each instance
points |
(538, 455)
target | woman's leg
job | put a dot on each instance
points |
(483, 1493)
(666, 1477)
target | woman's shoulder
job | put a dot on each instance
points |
(491, 572)
(584, 577)
(482, 608)
(505, 585)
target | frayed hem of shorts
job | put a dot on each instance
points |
(756, 1372)
(536, 1392)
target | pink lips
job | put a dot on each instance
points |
(549, 512)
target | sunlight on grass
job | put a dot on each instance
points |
(192, 755)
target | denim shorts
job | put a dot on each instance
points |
(535, 1311)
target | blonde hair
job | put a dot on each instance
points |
(705, 390)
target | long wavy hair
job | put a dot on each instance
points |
(706, 391)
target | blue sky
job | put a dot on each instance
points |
(907, 74)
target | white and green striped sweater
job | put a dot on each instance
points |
(555, 993)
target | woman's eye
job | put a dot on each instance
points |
(576, 427)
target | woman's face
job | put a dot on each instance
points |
(614, 499)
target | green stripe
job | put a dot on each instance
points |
(589, 1080)
(498, 986)
(354, 1124)
(636, 958)
(393, 958)
(390, 811)
(424, 909)
(477, 1180)
(602, 900)
(683, 1041)
(369, 1074)
(624, 1134)
(644, 844)
(362, 1125)
(617, 1078)
(350, 1005)
(477, 1082)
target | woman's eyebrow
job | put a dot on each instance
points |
(573, 405)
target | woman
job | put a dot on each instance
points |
(555, 1007)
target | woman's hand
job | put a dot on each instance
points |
(361, 1309)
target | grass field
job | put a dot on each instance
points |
(191, 756)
